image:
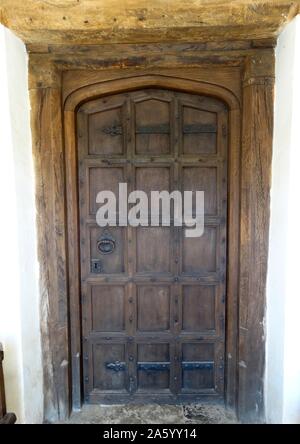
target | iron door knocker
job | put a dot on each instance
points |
(106, 244)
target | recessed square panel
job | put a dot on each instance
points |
(152, 179)
(104, 375)
(107, 308)
(198, 352)
(152, 352)
(103, 179)
(199, 253)
(199, 131)
(106, 132)
(202, 179)
(153, 249)
(113, 262)
(152, 127)
(153, 308)
(198, 308)
(153, 367)
(197, 367)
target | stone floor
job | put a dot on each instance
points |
(153, 414)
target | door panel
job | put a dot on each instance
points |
(150, 179)
(153, 300)
(105, 376)
(199, 253)
(198, 308)
(199, 131)
(113, 263)
(202, 179)
(198, 361)
(101, 179)
(154, 249)
(153, 308)
(153, 367)
(108, 308)
(105, 123)
(152, 132)
(101, 126)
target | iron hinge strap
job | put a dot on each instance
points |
(153, 366)
(117, 366)
(199, 128)
(116, 130)
(160, 366)
(188, 365)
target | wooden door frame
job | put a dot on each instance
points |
(244, 81)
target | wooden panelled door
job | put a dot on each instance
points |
(153, 300)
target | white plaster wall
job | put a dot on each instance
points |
(19, 295)
(282, 386)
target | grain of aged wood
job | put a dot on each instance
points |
(255, 214)
(81, 22)
(153, 311)
(239, 74)
(46, 125)
(133, 82)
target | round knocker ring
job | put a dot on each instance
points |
(106, 245)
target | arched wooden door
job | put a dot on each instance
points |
(153, 308)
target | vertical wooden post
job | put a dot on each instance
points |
(73, 257)
(255, 212)
(46, 122)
